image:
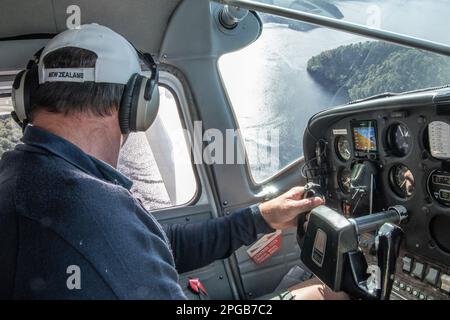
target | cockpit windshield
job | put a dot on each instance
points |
(295, 69)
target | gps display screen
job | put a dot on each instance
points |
(365, 136)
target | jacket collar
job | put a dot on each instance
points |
(62, 148)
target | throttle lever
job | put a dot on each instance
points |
(389, 241)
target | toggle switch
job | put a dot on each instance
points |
(445, 283)
(418, 270)
(407, 264)
(432, 276)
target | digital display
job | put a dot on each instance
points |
(439, 187)
(365, 136)
(442, 180)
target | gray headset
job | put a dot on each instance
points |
(138, 107)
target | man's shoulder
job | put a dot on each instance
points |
(49, 182)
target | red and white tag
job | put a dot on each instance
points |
(265, 247)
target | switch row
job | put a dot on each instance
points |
(431, 275)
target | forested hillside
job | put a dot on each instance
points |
(369, 68)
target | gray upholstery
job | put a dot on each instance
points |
(143, 22)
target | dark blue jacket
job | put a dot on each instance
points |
(62, 209)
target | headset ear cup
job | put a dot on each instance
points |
(25, 85)
(31, 86)
(147, 106)
(135, 100)
(17, 95)
(138, 109)
(126, 105)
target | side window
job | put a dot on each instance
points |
(10, 132)
(158, 161)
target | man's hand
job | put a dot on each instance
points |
(282, 212)
(313, 289)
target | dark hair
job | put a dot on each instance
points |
(99, 99)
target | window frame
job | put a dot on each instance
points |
(179, 96)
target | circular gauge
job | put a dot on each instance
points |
(343, 148)
(402, 181)
(399, 139)
(344, 180)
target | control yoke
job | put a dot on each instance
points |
(311, 190)
(331, 251)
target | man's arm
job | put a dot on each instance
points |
(196, 245)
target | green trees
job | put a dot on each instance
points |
(369, 68)
(10, 134)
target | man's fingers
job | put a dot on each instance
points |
(296, 193)
(308, 204)
(283, 211)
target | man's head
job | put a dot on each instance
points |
(75, 98)
(88, 79)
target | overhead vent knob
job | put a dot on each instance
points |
(230, 16)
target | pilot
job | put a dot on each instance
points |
(66, 212)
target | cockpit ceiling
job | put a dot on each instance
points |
(143, 22)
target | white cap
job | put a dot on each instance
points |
(117, 59)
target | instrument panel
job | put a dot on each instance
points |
(385, 152)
